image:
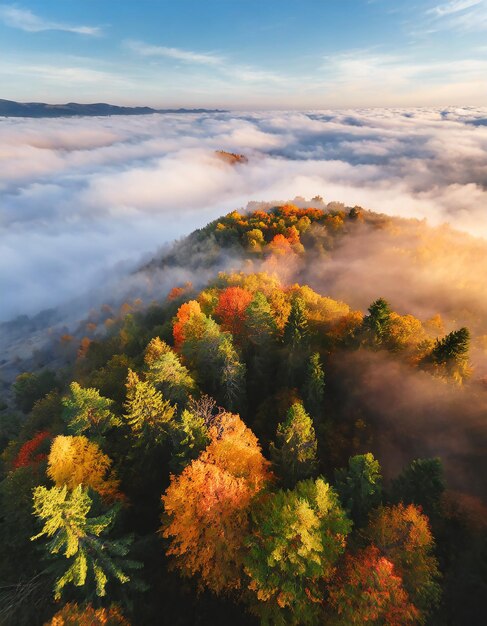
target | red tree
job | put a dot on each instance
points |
(231, 308)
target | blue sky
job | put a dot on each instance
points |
(246, 53)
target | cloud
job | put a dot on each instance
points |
(80, 196)
(459, 15)
(187, 56)
(453, 7)
(230, 71)
(24, 19)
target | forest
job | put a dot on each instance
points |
(254, 449)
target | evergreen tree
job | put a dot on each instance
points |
(451, 353)
(296, 330)
(360, 486)
(314, 386)
(85, 410)
(295, 452)
(421, 483)
(92, 560)
(189, 436)
(148, 414)
(378, 321)
(166, 372)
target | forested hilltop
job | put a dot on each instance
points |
(299, 440)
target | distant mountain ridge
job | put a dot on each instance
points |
(11, 108)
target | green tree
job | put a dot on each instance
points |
(30, 387)
(189, 436)
(166, 372)
(378, 321)
(296, 330)
(295, 452)
(92, 560)
(297, 539)
(314, 385)
(360, 486)
(421, 483)
(85, 410)
(451, 353)
(147, 413)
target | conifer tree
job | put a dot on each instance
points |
(296, 330)
(377, 322)
(421, 483)
(314, 386)
(189, 437)
(166, 372)
(295, 452)
(147, 413)
(85, 410)
(360, 486)
(451, 353)
(92, 560)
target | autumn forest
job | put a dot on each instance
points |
(258, 444)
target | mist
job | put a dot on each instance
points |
(82, 197)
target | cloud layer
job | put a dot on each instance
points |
(80, 196)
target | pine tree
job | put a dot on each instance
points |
(377, 322)
(360, 486)
(295, 452)
(92, 560)
(85, 410)
(166, 372)
(451, 353)
(314, 386)
(189, 437)
(296, 330)
(421, 483)
(148, 414)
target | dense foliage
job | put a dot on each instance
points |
(203, 454)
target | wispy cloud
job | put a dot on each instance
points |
(459, 15)
(188, 56)
(238, 72)
(456, 6)
(24, 19)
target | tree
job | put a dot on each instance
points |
(297, 537)
(73, 614)
(166, 372)
(451, 353)
(260, 325)
(85, 410)
(403, 536)
(232, 309)
(369, 591)
(421, 483)
(212, 354)
(30, 387)
(32, 451)
(294, 453)
(296, 330)
(360, 486)
(378, 321)
(92, 560)
(77, 461)
(314, 385)
(147, 413)
(206, 506)
(189, 436)
(184, 314)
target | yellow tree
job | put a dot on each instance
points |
(77, 461)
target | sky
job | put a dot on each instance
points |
(245, 54)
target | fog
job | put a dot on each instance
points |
(88, 197)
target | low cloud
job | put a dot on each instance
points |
(80, 196)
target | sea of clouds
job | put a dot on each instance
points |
(85, 197)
